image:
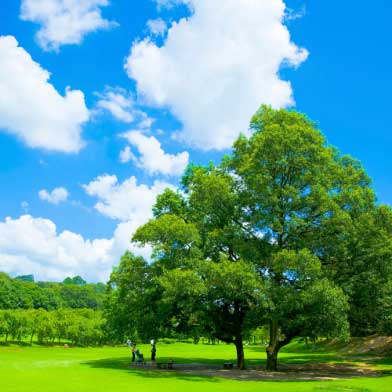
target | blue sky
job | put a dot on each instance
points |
(155, 84)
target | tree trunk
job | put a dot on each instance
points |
(31, 338)
(275, 345)
(273, 348)
(240, 352)
(272, 359)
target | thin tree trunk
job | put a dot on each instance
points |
(240, 352)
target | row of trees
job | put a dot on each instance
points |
(284, 234)
(73, 293)
(77, 326)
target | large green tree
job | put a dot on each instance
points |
(298, 194)
(285, 232)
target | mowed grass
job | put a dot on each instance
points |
(57, 369)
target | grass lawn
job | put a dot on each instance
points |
(57, 369)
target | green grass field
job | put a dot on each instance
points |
(56, 369)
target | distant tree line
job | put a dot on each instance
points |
(75, 326)
(74, 293)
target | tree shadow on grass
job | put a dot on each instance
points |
(352, 360)
(14, 343)
(294, 369)
(312, 358)
(299, 357)
(123, 364)
(381, 361)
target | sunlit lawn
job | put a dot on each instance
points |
(46, 369)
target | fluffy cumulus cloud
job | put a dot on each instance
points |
(217, 66)
(31, 108)
(128, 202)
(35, 245)
(56, 196)
(64, 21)
(125, 201)
(152, 157)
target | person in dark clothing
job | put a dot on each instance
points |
(153, 352)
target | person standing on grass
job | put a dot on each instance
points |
(134, 352)
(129, 343)
(153, 350)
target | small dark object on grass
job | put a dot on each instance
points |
(139, 358)
(165, 365)
(228, 365)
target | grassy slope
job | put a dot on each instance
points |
(39, 369)
(377, 345)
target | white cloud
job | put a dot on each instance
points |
(146, 121)
(157, 27)
(56, 196)
(121, 241)
(217, 66)
(33, 245)
(153, 158)
(64, 21)
(118, 103)
(126, 155)
(126, 201)
(31, 108)
(292, 14)
(122, 106)
(130, 203)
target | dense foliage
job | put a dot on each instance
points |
(76, 326)
(131, 306)
(25, 294)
